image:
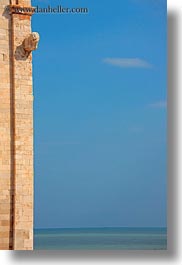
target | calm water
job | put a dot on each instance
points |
(101, 238)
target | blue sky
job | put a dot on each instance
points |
(100, 115)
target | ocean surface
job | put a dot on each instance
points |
(100, 239)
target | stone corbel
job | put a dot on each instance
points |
(31, 42)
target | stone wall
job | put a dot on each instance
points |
(16, 131)
(5, 132)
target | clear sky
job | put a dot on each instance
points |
(100, 115)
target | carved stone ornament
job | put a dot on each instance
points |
(31, 42)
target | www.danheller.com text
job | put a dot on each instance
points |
(49, 9)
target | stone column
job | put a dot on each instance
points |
(18, 141)
(5, 132)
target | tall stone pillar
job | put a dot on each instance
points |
(16, 125)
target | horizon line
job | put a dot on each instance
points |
(86, 227)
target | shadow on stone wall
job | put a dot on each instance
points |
(20, 53)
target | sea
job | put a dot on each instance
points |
(100, 239)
